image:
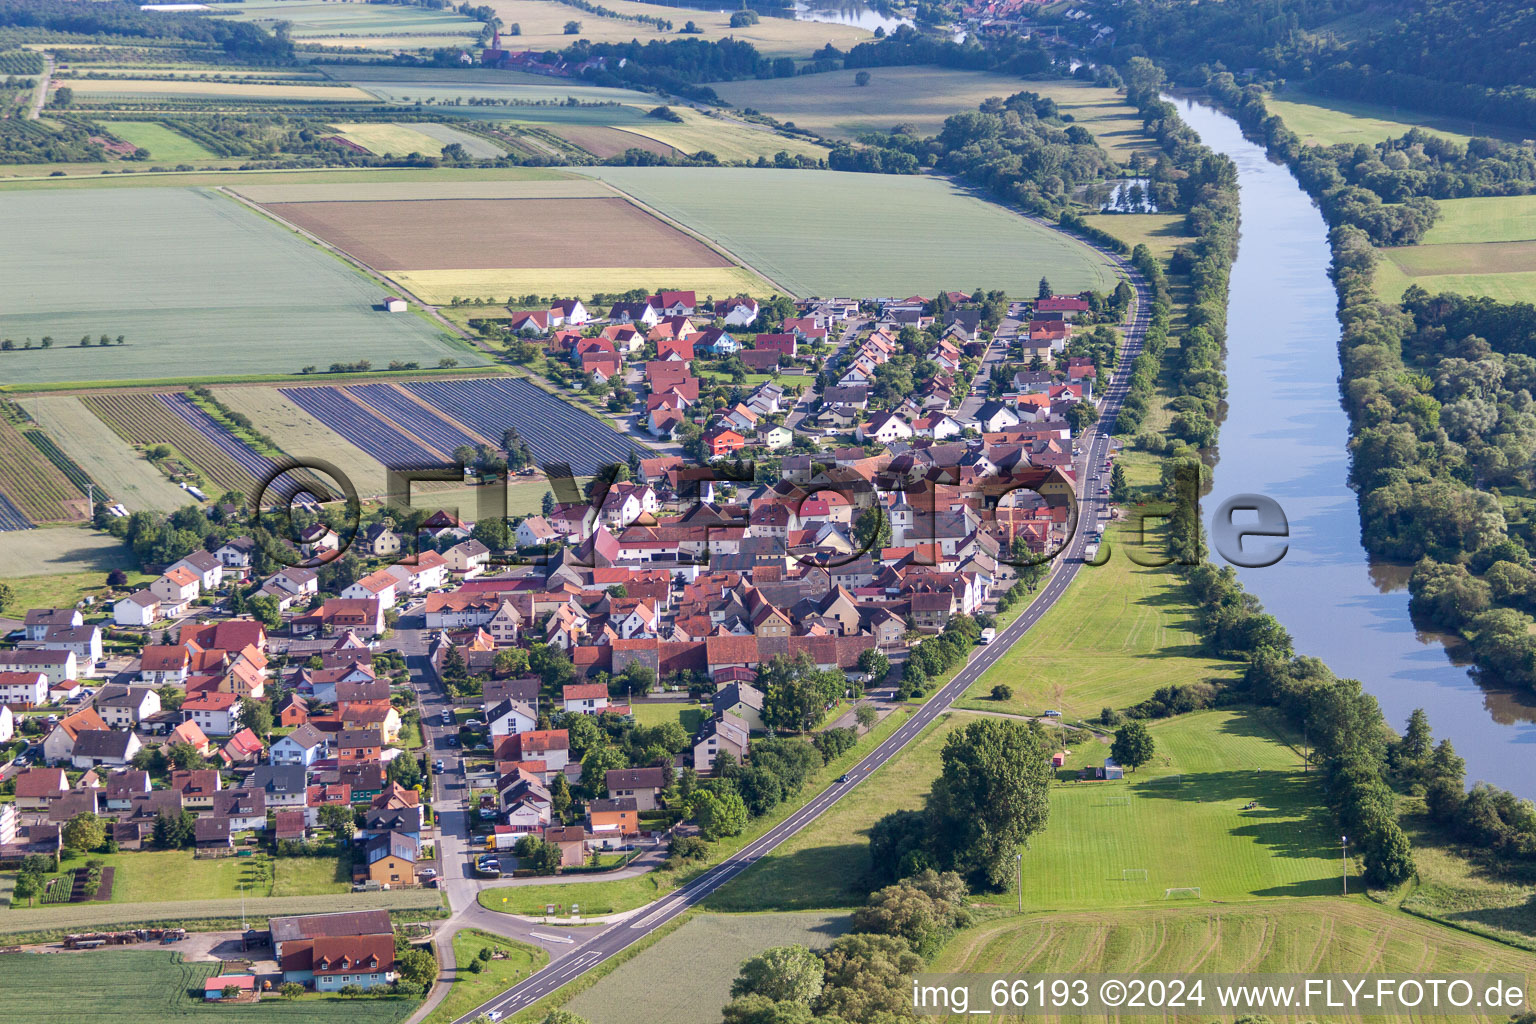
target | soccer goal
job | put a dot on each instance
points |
(1133, 874)
(1117, 801)
(1188, 892)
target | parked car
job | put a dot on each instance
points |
(1051, 714)
(438, 768)
(453, 741)
(427, 873)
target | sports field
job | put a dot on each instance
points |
(1316, 936)
(111, 986)
(731, 141)
(228, 291)
(1484, 246)
(162, 142)
(99, 91)
(127, 476)
(834, 233)
(543, 26)
(699, 961)
(923, 97)
(485, 234)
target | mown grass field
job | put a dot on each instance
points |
(79, 916)
(832, 105)
(439, 286)
(1325, 121)
(730, 141)
(1484, 246)
(227, 292)
(1117, 634)
(128, 476)
(689, 716)
(113, 986)
(467, 989)
(699, 961)
(105, 91)
(155, 876)
(832, 233)
(396, 139)
(59, 561)
(309, 19)
(162, 142)
(1312, 936)
(1159, 232)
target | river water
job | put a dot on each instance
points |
(1285, 435)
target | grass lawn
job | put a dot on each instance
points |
(112, 986)
(1160, 232)
(1316, 936)
(162, 142)
(304, 876)
(690, 716)
(813, 231)
(467, 989)
(699, 961)
(608, 897)
(1117, 634)
(155, 876)
(59, 565)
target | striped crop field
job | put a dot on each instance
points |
(143, 419)
(554, 430)
(34, 489)
(375, 435)
(406, 411)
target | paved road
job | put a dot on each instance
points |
(585, 955)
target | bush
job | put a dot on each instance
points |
(1002, 691)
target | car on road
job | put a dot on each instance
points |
(453, 741)
(438, 768)
(21, 762)
(493, 1016)
(842, 778)
(1051, 714)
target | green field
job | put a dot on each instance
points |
(162, 142)
(119, 987)
(1117, 634)
(83, 916)
(1160, 232)
(48, 553)
(309, 19)
(699, 961)
(690, 716)
(154, 876)
(832, 233)
(1460, 891)
(731, 141)
(227, 291)
(105, 457)
(391, 139)
(1306, 936)
(1327, 122)
(108, 91)
(467, 989)
(513, 99)
(1484, 246)
(832, 105)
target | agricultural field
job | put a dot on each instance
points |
(229, 291)
(700, 960)
(474, 145)
(1117, 634)
(82, 916)
(305, 437)
(508, 100)
(375, 434)
(1324, 121)
(162, 142)
(32, 488)
(125, 474)
(543, 26)
(96, 987)
(813, 232)
(385, 188)
(1484, 246)
(1312, 936)
(144, 419)
(731, 141)
(59, 561)
(440, 286)
(390, 139)
(340, 22)
(467, 989)
(95, 92)
(832, 105)
(602, 141)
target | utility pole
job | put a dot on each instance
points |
(1019, 857)
(1344, 856)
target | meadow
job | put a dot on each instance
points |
(1117, 634)
(125, 474)
(111, 986)
(543, 27)
(467, 989)
(1325, 121)
(1484, 246)
(106, 91)
(833, 233)
(1159, 232)
(59, 565)
(155, 876)
(228, 292)
(731, 141)
(162, 142)
(700, 961)
(832, 105)
(310, 18)
(1311, 936)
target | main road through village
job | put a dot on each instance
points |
(579, 957)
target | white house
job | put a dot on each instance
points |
(381, 585)
(7, 724)
(177, 588)
(40, 620)
(509, 718)
(84, 641)
(56, 665)
(123, 707)
(535, 531)
(236, 553)
(24, 689)
(737, 312)
(995, 416)
(296, 580)
(586, 698)
(304, 746)
(111, 748)
(468, 558)
(205, 566)
(884, 427)
(141, 608)
(217, 714)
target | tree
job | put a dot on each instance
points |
(867, 975)
(866, 715)
(84, 832)
(338, 819)
(1133, 746)
(537, 855)
(1002, 691)
(63, 96)
(28, 887)
(991, 796)
(861, 79)
(264, 608)
(7, 595)
(721, 816)
(1119, 487)
(547, 503)
(1044, 291)
(405, 770)
(562, 1017)
(291, 989)
(1388, 855)
(874, 664)
(230, 992)
(572, 28)
(256, 715)
(762, 1010)
(781, 973)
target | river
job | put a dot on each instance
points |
(1285, 435)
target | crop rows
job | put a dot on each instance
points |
(182, 405)
(142, 419)
(406, 412)
(369, 432)
(11, 517)
(32, 485)
(66, 465)
(554, 430)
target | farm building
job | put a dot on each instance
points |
(394, 304)
(1112, 769)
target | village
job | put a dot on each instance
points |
(593, 669)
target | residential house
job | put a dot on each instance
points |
(468, 558)
(39, 621)
(358, 745)
(59, 744)
(737, 312)
(294, 938)
(587, 698)
(176, 589)
(140, 608)
(244, 809)
(615, 817)
(642, 785)
(22, 690)
(197, 787)
(109, 748)
(391, 858)
(36, 788)
(742, 700)
(304, 746)
(511, 717)
(57, 666)
(205, 566)
(125, 707)
(282, 785)
(216, 713)
(726, 733)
